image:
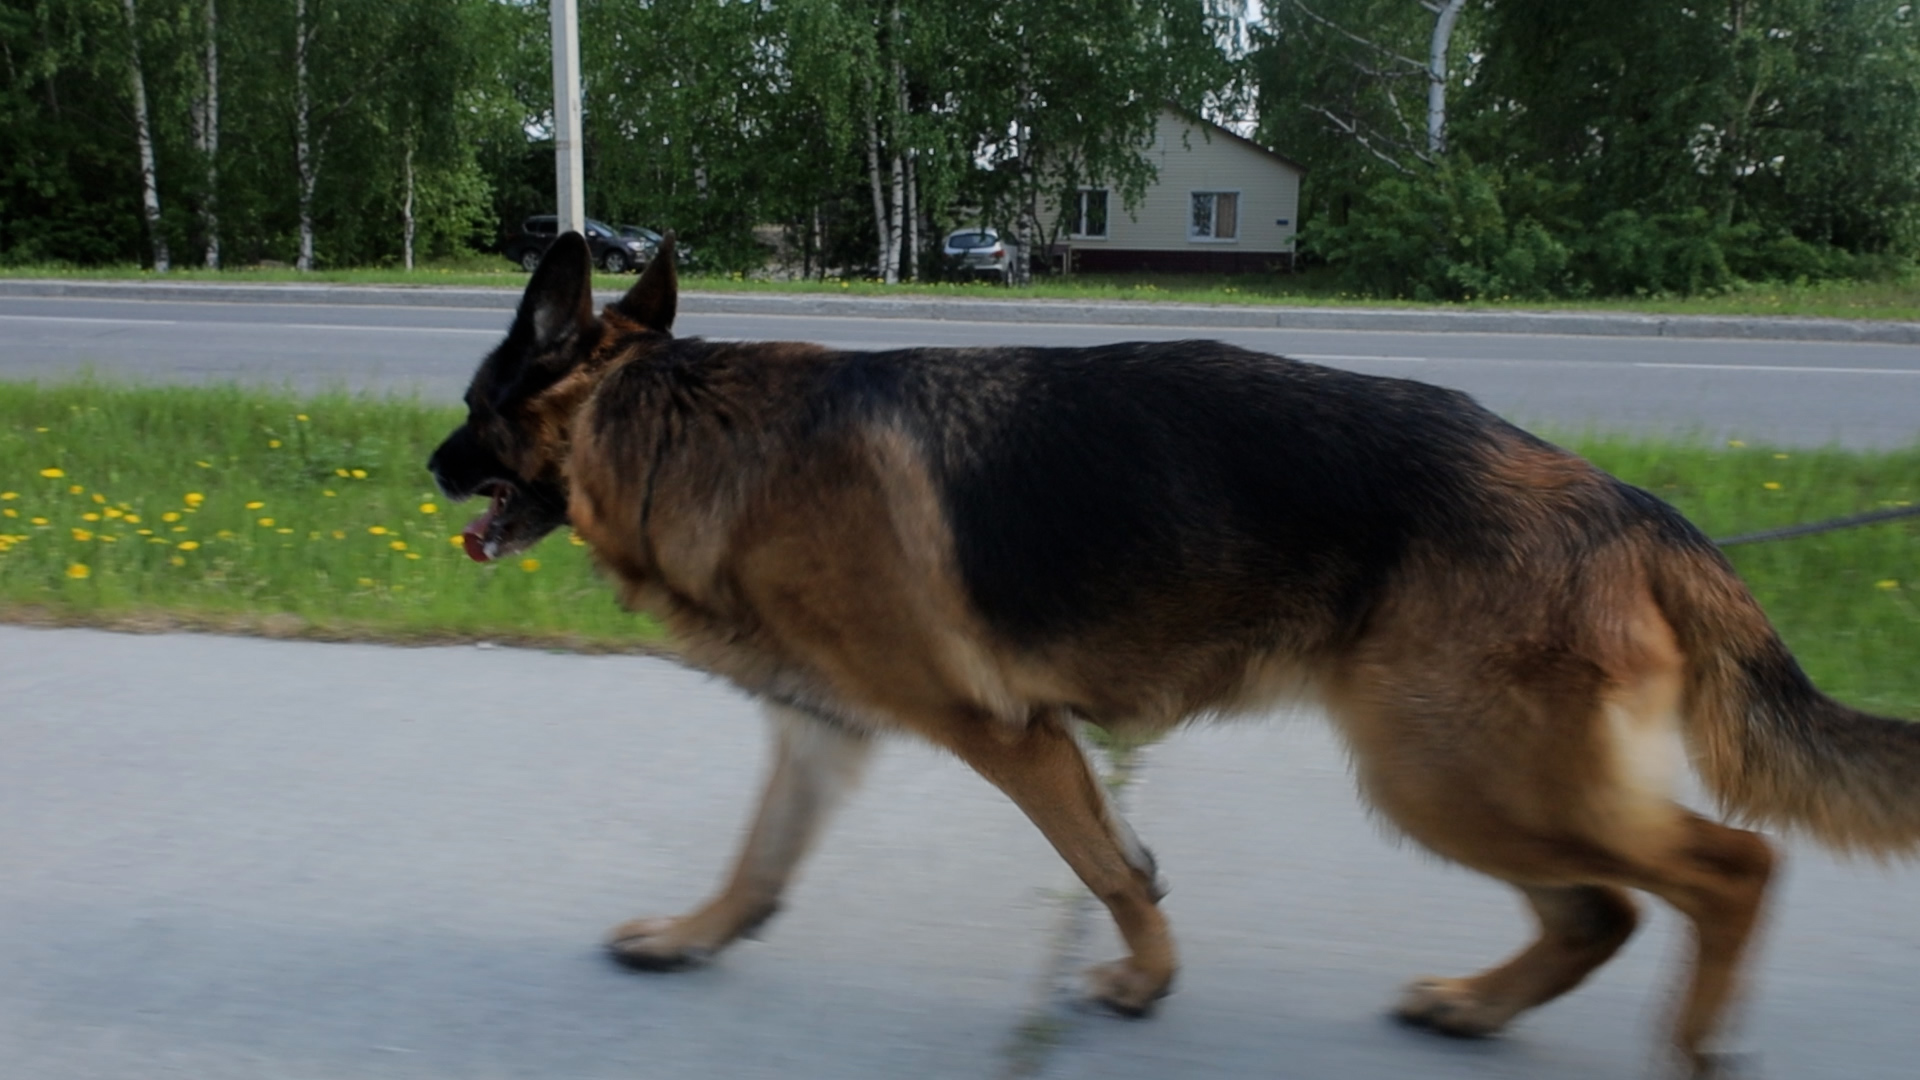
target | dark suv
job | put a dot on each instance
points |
(611, 251)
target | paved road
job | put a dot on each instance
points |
(229, 859)
(1795, 393)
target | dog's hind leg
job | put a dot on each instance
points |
(816, 762)
(1581, 927)
(1042, 769)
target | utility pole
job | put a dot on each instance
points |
(569, 170)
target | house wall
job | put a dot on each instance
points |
(1153, 236)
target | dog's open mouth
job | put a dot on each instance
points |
(482, 537)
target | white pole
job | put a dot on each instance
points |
(569, 171)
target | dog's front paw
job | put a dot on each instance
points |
(658, 945)
(1449, 1007)
(1126, 989)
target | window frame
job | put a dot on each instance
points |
(1075, 232)
(1214, 216)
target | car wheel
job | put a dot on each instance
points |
(616, 262)
(529, 260)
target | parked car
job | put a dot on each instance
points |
(612, 252)
(979, 251)
(682, 254)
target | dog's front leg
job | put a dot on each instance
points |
(1043, 770)
(815, 763)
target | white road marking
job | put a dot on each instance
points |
(1781, 367)
(84, 319)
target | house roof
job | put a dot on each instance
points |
(1194, 117)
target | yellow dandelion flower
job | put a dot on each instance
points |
(178, 560)
(179, 528)
(328, 492)
(194, 498)
(339, 534)
(79, 571)
(1771, 485)
(170, 516)
(10, 512)
(284, 531)
(52, 474)
(255, 504)
(1890, 583)
(1780, 457)
(377, 530)
(143, 532)
(99, 498)
(367, 581)
(1736, 444)
(359, 474)
(112, 512)
(266, 523)
(429, 508)
(157, 540)
(413, 554)
(8, 496)
(223, 534)
(89, 517)
(75, 489)
(341, 472)
(457, 541)
(302, 417)
(132, 519)
(41, 430)
(574, 539)
(529, 565)
(188, 545)
(82, 535)
(203, 464)
(398, 545)
(39, 521)
(273, 444)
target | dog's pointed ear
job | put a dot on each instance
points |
(558, 303)
(654, 298)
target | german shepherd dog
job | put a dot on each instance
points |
(982, 546)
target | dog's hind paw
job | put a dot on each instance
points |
(654, 945)
(1450, 1007)
(1126, 989)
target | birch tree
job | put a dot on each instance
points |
(143, 134)
(206, 132)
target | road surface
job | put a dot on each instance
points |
(1791, 393)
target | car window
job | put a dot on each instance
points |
(541, 226)
(966, 240)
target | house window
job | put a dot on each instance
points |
(1215, 216)
(1089, 213)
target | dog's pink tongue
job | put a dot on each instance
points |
(474, 536)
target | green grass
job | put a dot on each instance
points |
(1896, 299)
(317, 555)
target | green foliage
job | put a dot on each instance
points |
(1454, 232)
(1687, 148)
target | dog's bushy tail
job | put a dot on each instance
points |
(1773, 749)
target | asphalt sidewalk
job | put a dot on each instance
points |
(1132, 313)
(227, 859)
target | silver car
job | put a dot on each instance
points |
(980, 251)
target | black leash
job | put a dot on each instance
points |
(1871, 517)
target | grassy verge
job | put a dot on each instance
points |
(1897, 300)
(259, 512)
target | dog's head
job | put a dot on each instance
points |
(520, 406)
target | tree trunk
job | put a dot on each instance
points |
(406, 209)
(209, 139)
(1445, 15)
(913, 219)
(887, 261)
(303, 146)
(149, 179)
(894, 221)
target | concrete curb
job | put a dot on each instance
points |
(1198, 316)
